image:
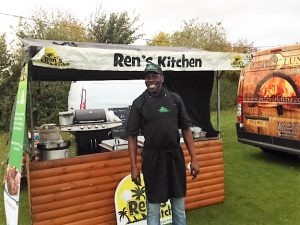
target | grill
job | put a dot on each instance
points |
(91, 120)
(83, 116)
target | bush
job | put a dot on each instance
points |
(228, 91)
(49, 98)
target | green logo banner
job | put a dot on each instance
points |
(13, 172)
(18, 130)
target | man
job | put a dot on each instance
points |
(159, 114)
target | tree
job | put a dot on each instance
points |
(197, 35)
(5, 61)
(57, 25)
(211, 37)
(242, 45)
(7, 83)
(118, 28)
(161, 39)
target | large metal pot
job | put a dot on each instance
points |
(54, 149)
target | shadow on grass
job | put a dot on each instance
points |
(277, 157)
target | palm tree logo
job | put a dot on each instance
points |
(123, 214)
(237, 61)
(138, 193)
(52, 58)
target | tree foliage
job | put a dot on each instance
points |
(161, 39)
(201, 35)
(242, 45)
(56, 25)
(6, 83)
(5, 61)
(49, 98)
(197, 35)
(117, 28)
(206, 36)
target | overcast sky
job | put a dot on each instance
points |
(266, 23)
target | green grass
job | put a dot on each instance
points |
(260, 188)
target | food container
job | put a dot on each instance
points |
(196, 131)
(49, 132)
(66, 118)
(114, 144)
(54, 149)
(202, 134)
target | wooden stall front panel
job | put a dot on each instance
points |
(80, 190)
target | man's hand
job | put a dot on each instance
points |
(132, 147)
(194, 168)
(135, 176)
(188, 139)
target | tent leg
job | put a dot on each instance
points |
(31, 115)
(218, 77)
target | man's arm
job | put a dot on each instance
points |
(132, 147)
(188, 140)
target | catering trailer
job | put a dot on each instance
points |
(81, 189)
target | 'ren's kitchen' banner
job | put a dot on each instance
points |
(130, 204)
(12, 177)
(135, 59)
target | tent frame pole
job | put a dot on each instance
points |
(30, 111)
(218, 77)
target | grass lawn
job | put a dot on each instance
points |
(260, 188)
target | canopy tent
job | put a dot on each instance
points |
(188, 71)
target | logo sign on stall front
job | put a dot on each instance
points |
(130, 204)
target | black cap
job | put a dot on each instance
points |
(153, 68)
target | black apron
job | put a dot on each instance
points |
(163, 160)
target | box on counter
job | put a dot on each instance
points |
(114, 144)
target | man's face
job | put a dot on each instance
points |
(154, 82)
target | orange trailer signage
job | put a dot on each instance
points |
(269, 100)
